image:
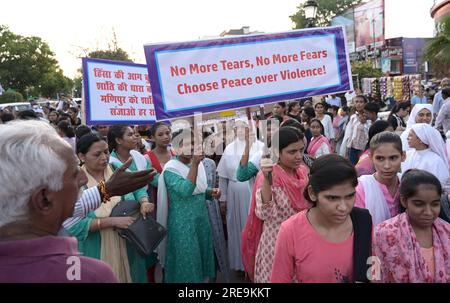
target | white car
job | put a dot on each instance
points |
(383, 115)
(77, 100)
(16, 106)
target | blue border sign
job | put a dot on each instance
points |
(220, 74)
(116, 92)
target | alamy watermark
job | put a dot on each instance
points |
(224, 132)
(73, 272)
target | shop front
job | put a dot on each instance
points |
(403, 56)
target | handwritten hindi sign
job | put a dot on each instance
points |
(228, 73)
(117, 92)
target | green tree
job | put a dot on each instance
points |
(28, 65)
(111, 54)
(327, 9)
(77, 86)
(365, 69)
(11, 96)
(114, 52)
(55, 82)
(437, 51)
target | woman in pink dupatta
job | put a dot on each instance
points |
(289, 178)
(319, 144)
(414, 246)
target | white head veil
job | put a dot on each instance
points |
(416, 109)
(232, 155)
(412, 120)
(431, 137)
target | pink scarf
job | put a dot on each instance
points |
(293, 187)
(315, 144)
(396, 246)
(336, 121)
(365, 164)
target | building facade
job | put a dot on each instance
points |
(440, 10)
(403, 56)
(368, 38)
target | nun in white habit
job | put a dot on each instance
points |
(428, 152)
(235, 194)
(421, 113)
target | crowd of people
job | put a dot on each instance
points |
(318, 190)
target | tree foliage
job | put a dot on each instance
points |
(327, 9)
(114, 52)
(77, 86)
(11, 96)
(365, 69)
(437, 51)
(28, 65)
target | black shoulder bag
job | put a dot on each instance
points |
(144, 235)
(362, 243)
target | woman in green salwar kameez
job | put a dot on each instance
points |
(122, 141)
(182, 192)
(96, 234)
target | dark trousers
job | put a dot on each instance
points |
(353, 155)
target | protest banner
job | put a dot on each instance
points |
(228, 73)
(116, 92)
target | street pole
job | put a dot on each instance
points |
(373, 50)
(310, 9)
(373, 32)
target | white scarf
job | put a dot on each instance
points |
(347, 135)
(162, 209)
(139, 160)
(374, 199)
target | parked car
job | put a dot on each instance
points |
(52, 103)
(383, 115)
(16, 106)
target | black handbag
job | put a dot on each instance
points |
(144, 235)
(362, 243)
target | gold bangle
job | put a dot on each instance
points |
(103, 192)
(98, 224)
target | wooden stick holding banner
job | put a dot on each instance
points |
(266, 152)
(248, 143)
(83, 105)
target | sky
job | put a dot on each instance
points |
(74, 28)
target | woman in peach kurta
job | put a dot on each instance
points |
(277, 201)
(310, 258)
(331, 241)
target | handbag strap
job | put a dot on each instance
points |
(362, 243)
